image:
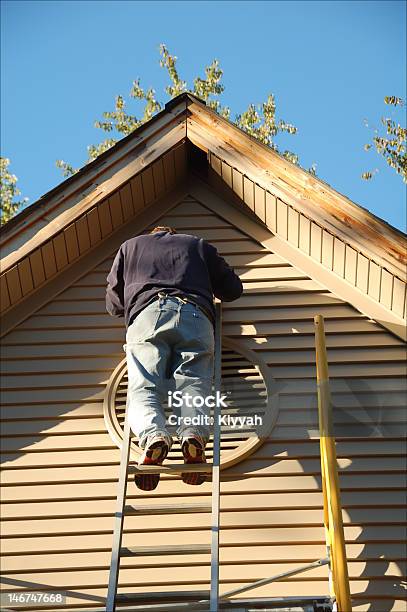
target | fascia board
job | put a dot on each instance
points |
(68, 206)
(309, 195)
(90, 171)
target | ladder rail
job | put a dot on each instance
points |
(119, 517)
(125, 469)
(333, 522)
(214, 594)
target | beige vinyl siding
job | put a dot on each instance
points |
(60, 466)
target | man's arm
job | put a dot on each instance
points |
(226, 285)
(115, 287)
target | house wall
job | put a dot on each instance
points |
(60, 466)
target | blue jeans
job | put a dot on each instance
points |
(169, 347)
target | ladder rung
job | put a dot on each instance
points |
(172, 468)
(162, 596)
(175, 549)
(167, 509)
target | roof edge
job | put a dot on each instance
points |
(296, 167)
(187, 97)
(93, 166)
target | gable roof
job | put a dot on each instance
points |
(302, 210)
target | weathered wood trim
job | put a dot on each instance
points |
(311, 195)
(58, 215)
(296, 204)
(276, 170)
(130, 145)
(84, 264)
(340, 287)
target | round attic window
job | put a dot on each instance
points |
(248, 385)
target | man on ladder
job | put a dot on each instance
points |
(163, 284)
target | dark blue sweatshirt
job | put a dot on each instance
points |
(174, 263)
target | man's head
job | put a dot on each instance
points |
(163, 228)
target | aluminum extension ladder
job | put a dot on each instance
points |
(199, 600)
(122, 510)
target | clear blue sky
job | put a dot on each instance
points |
(329, 65)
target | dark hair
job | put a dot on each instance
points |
(163, 228)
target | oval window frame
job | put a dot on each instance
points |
(244, 449)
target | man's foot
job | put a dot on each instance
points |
(154, 454)
(193, 452)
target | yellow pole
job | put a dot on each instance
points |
(330, 480)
